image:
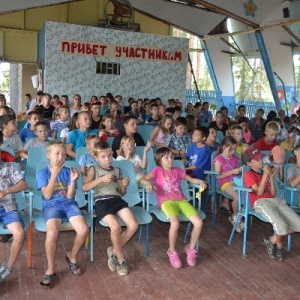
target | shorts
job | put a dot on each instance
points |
(8, 217)
(109, 206)
(60, 209)
(225, 185)
(173, 208)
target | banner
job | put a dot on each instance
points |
(120, 51)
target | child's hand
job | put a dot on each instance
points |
(203, 185)
(272, 172)
(148, 147)
(149, 188)
(237, 171)
(74, 174)
(2, 194)
(108, 178)
(266, 170)
(56, 168)
(125, 181)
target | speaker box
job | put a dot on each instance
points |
(286, 12)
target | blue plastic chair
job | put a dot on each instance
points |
(36, 213)
(245, 210)
(110, 140)
(132, 197)
(9, 150)
(145, 131)
(290, 193)
(80, 151)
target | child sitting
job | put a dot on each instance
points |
(127, 152)
(267, 143)
(11, 181)
(167, 188)
(107, 128)
(41, 140)
(178, 140)
(96, 118)
(58, 184)
(199, 154)
(154, 118)
(162, 131)
(109, 187)
(211, 139)
(72, 125)
(247, 136)
(283, 133)
(62, 121)
(27, 133)
(237, 133)
(264, 201)
(87, 160)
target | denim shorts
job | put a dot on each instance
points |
(60, 209)
(9, 217)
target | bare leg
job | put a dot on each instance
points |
(197, 228)
(229, 190)
(173, 232)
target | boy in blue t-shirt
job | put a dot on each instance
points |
(199, 154)
(58, 186)
(77, 137)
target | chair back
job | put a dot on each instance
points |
(20, 196)
(132, 196)
(110, 140)
(288, 154)
(80, 151)
(35, 155)
(9, 150)
(220, 136)
(145, 131)
(188, 146)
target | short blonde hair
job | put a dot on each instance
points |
(273, 126)
(125, 139)
(53, 144)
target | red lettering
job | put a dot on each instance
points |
(151, 53)
(137, 52)
(144, 50)
(165, 55)
(158, 53)
(125, 50)
(64, 46)
(89, 50)
(95, 49)
(81, 48)
(102, 48)
(73, 47)
(131, 52)
(177, 55)
(119, 51)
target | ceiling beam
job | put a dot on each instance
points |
(291, 33)
(225, 12)
(230, 45)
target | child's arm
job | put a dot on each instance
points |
(259, 189)
(20, 186)
(91, 182)
(23, 154)
(195, 181)
(72, 187)
(54, 134)
(272, 172)
(146, 181)
(143, 162)
(48, 190)
(294, 181)
(122, 185)
(153, 136)
(218, 168)
(70, 151)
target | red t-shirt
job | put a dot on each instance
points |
(263, 146)
(6, 157)
(251, 178)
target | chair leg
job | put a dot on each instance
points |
(187, 232)
(140, 233)
(86, 243)
(92, 243)
(147, 240)
(29, 245)
(289, 245)
(245, 236)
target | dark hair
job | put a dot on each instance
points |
(27, 95)
(5, 119)
(242, 120)
(65, 96)
(1, 137)
(177, 108)
(33, 112)
(204, 131)
(227, 142)
(128, 118)
(219, 112)
(224, 108)
(241, 106)
(160, 153)
(40, 123)
(169, 110)
(153, 105)
(180, 121)
(40, 93)
(96, 103)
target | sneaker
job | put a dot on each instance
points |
(174, 259)
(278, 253)
(270, 247)
(191, 256)
(122, 268)
(112, 259)
(238, 225)
(4, 271)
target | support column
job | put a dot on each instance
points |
(16, 87)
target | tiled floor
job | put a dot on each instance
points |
(221, 272)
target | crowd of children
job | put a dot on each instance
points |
(222, 143)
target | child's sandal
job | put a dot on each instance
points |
(74, 267)
(47, 280)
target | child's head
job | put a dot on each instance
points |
(154, 109)
(162, 156)
(180, 126)
(243, 122)
(55, 98)
(93, 99)
(272, 129)
(242, 110)
(177, 112)
(65, 100)
(252, 158)
(189, 107)
(127, 144)
(161, 109)
(4, 110)
(281, 114)
(224, 110)
(33, 118)
(2, 100)
(91, 140)
(56, 152)
(191, 124)
(114, 105)
(84, 120)
(200, 135)
(107, 122)
(77, 100)
(228, 146)
(205, 106)
(64, 113)
(212, 136)
(134, 105)
(85, 107)
(130, 125)
(103, 101)
(46, 100)
(278, 155)
(41, 130)
(237, 132)
(103, 154)
(219, 117)
(166, 123)
(96, 108)
(259, 113)
(8, 122)
(169, 111)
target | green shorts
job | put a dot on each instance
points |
(173, 208)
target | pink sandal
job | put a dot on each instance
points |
(174, 259)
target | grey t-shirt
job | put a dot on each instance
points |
(293, 172)
(35, 143)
